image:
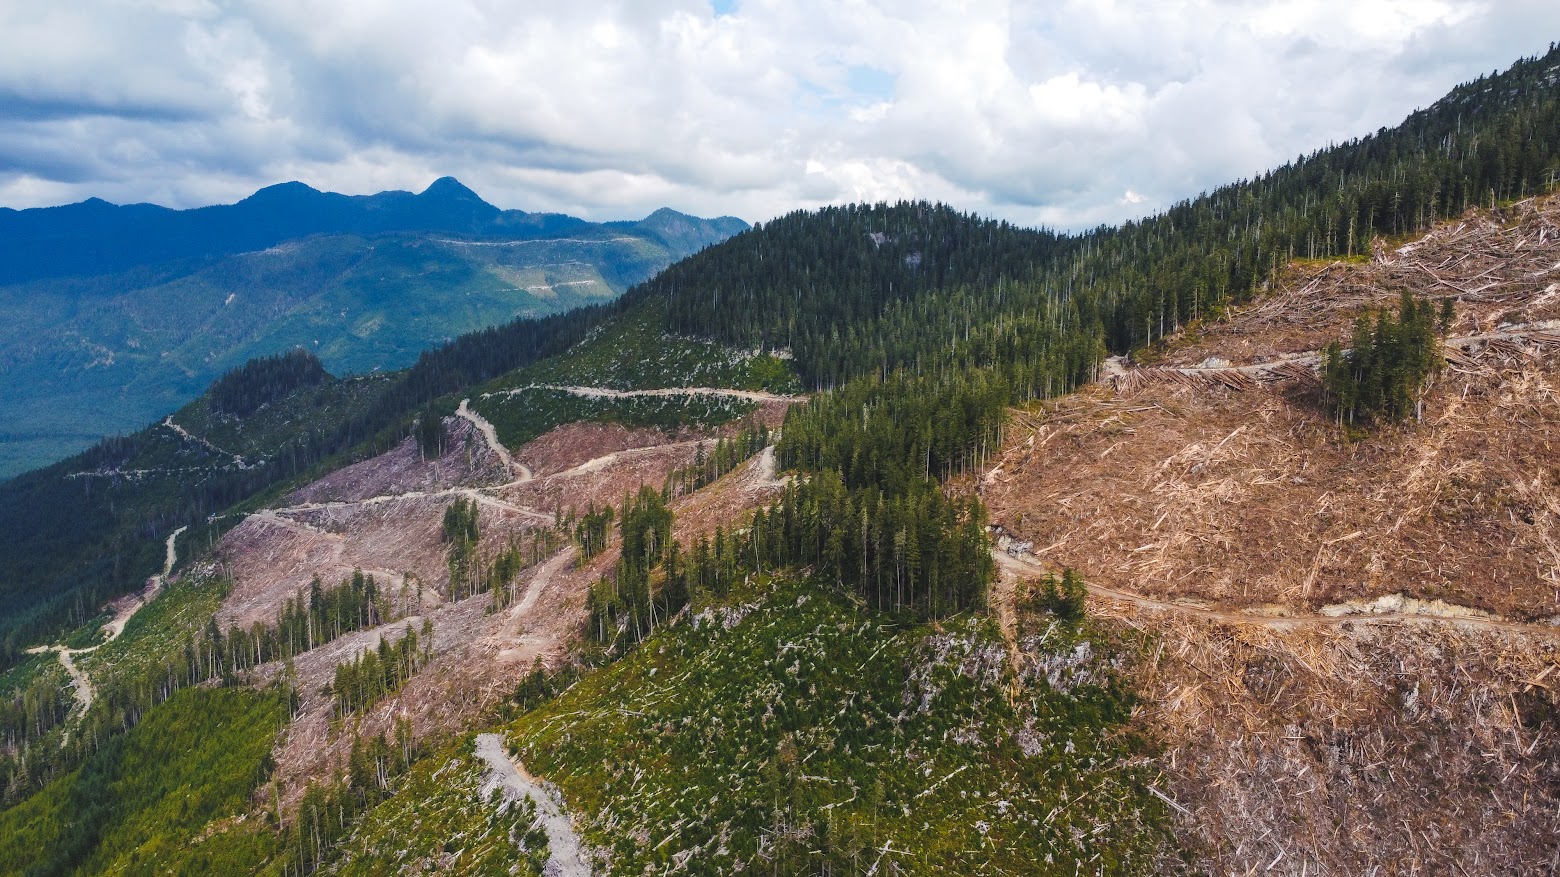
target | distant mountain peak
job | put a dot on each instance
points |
(282, 193)
(449, 188)
(665, 213)
(94, 237)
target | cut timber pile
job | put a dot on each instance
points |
(1344, 746)
(1502, 268)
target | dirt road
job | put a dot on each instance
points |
(490, 435)
(111, 631)
(1459, 350)
(1024, 566)
(603, 393)
(567, 857)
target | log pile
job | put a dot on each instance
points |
(1466, 352)
(1356, 747)
(1501, 269)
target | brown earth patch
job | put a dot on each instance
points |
(1255, 497)
(730, 501)
(467, 461)
(570, 445)
(1312, 745)
(1501, 267)
(385, 517)
(1250, 497)
(1360, 749)
(602, 480)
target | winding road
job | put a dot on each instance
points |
(490, 435)
(111, 631)
(567, 856)
(603, 393)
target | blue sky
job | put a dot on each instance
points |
(1059, 113)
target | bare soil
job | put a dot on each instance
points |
(1321, 711)
(1355, 749)
(570, 445)
(1254, 496)
(468, 461)
(1502, 267)
(385, 517)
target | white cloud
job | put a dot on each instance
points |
(1061, 113)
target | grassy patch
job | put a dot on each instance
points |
(89, 634)
(272, 428)
(157, 635)
(526, 414)
(631, 352)
(788, 731)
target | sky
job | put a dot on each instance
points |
(1065, 114)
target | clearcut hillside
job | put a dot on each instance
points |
(879, 539)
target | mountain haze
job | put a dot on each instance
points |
(119, 315)
(877, 539)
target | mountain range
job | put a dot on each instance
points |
(879, 539)
(113, 315)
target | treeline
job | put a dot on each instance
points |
(303, 624)
(836, 286)
(472, 573)
(916, 551)
(890, 434)
(328, 812)
(30, 711)
(243, 390)
(1382, 375)
(431, 439)
(795, 281)
(461, 535)
(215, 655)
(379, 673)
(727, 455)
(210, 656)
(621, 607)
(912, 551)
(591, 530)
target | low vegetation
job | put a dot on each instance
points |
(440, 822)
(141, 803)
(783, 730)
(635, 352)
(522, 415)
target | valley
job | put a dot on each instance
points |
(878, 539)
(116, 341)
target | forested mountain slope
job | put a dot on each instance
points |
(737, 626)
(112, 316)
